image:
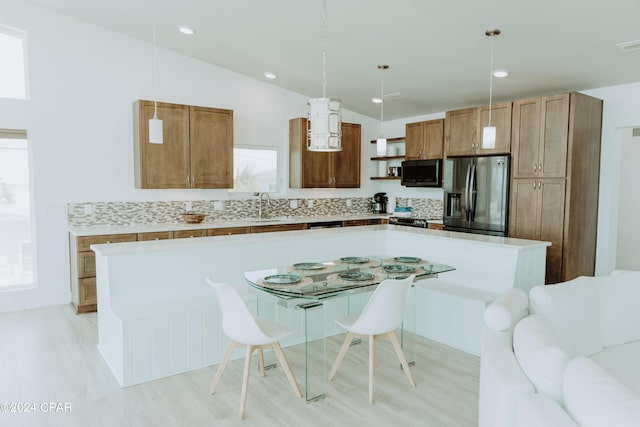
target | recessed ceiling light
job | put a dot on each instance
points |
(186, 30)
(376, 100)
(500, 73)
(270, 76)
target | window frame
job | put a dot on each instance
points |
(280, 184)
(23, 135)
(20, 34)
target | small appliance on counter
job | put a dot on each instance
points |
(379, 203)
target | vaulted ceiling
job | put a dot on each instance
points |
(438, 53)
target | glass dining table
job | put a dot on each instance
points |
(337, 288)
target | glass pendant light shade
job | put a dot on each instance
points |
(381, 146)
(381, 143)
(155, 130)
(489, 137)
(324, 130)
(489, 131)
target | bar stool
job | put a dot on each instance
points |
(379, 319)
(243, 329)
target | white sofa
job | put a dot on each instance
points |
(569, 355)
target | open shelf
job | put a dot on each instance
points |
(391, 140)
(388, 157)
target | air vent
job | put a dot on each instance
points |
(636, 132)
(394, 96)
(629, 46)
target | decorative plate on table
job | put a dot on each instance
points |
(356, 276)
(354, 260)
(399, 268)
(282, 279)
(309, 266)
(407, 259)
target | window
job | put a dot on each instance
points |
(16, 267)
(12, 73)
(255, 170)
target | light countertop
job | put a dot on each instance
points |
(94, 230)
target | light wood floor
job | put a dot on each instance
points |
(50, 355)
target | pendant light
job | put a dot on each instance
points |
(381, 143)
(324, 132)
(489, 131)
(155, 124)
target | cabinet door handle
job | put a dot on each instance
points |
(539, 184)
(534, 185)
(540, 167)
(535, 167)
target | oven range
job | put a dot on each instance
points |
(411, 222)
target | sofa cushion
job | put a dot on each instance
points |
(538, 410)
(621, 362)
(619, 297)
(540, 355)
(573, 310)
(504, 312)
(595, 398)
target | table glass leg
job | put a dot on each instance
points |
(314, 352)
(408, 331)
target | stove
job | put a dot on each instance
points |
(411, 222)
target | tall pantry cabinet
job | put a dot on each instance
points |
(555, 174)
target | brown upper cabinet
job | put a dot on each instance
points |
(463, 130)
(309, 169)
(197, 148)
(424, 140)
(540, 132)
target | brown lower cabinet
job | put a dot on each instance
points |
(228, 231)
(188, 234)
(83, 268)
(278, 227)
(358, 222)
(83, 260)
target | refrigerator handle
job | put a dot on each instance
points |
(467, 199)
(472, 186)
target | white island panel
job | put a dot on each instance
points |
(153, 295)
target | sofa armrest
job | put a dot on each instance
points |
(535, 410)
(502, 382)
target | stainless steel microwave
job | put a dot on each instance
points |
(422, 173)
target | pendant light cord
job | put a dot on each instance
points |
(324, 49)
(155, 72)
(381, 101)
(491, 79)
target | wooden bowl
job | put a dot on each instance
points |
(193, 217)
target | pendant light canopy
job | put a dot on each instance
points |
(155, 124)
(489, 131)
(381, 143)
(324, 131)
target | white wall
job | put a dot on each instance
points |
(83, 80)
(629, 204)
(621, 110)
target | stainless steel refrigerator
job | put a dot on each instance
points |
(476, 194)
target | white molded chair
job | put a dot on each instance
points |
(239, 325)
(379, 319)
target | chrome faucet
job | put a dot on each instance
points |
(260, 195)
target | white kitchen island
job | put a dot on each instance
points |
(157, 316)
